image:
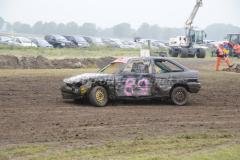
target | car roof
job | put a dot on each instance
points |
(233, 33)
(127, 59)
(73, 35)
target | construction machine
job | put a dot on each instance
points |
(192, 43)
(233, 40)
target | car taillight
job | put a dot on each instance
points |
(135, 45)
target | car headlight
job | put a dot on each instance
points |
(79, 44)
(62, 44)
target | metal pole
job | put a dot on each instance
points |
(149, 46)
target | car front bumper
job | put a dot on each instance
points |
(73, 93)
(194, 87)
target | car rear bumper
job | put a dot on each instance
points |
(194, 87)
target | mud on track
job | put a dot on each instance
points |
(32, 110)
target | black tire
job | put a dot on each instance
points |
(172, 53)
(179, 96)
(98, 96)
(231, 52)
(58, 46)
(191, 55)
(183, 52)
(201, 53)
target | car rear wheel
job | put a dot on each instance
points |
(58, 46)
(98, 96)
(179, 96)
(183, 53)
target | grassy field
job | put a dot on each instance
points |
(91, 52)
(212, 146)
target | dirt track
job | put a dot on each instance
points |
(32, 110)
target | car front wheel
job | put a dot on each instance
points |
(98, 96)
(179, 96)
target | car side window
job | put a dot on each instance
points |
(162, 66)
(72, 39)
(138, 67)
(13, 39)
(52, 38)
(87, 39)
(0, 38)
(234, 39)
(18, 40)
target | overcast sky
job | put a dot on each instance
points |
(106, 13)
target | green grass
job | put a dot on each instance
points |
(23, 150)
(185, 146)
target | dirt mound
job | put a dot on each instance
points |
(40, 62)
(235, 68)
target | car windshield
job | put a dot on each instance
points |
(60, 38)
(25, 40)
(111, 68)
(95, 39)
(119, 43)
(6, 38)
(80, 39)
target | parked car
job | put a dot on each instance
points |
(134, 78)
(58, 41)
(132, 45)
(208, 43)
(21, 41)
(4, 40)
(40, 42)
(145, 45)
(79, 41)
(159, 44)
(119, 43)
(95, 41)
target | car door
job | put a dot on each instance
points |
(135, 79)
(165, 76)
(72, 39)
(17, 42)
(52, 40)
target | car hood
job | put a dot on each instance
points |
(87, 77)
(81, 42)
(44, 44)
(64, 41)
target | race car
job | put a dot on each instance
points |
(134, 78)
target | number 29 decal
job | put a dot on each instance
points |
(130, 82)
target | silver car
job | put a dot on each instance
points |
(4, 40)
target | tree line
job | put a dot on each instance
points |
(122, 30)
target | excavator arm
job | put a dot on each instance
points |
(192, 16)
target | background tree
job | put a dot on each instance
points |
(8, 26)
(61, 28)
(88, 29)
(144, 30)
(119, 31)
(1, 22)
(49, 28)
(72, 28)
(37, 28)
(155, 32)
(219, 31)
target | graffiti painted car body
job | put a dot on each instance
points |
(134, 78)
